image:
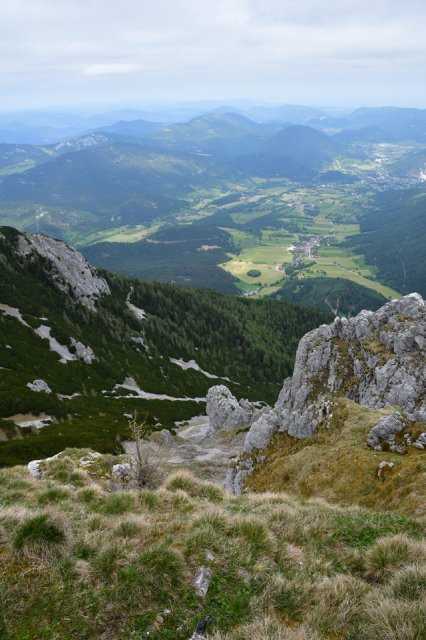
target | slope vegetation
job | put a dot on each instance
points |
(89, 562)
(392, 238)
(82, 351)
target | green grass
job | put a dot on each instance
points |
(279, 565)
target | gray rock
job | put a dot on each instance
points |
(69, 270)
(35, 466)
(83, 353)
(225, 412)
(201, 581)
(39, 386)
(122, 472)
(240, 469)
(260, 434)
(200, 628)
(167, 438)
(385, 431)
(375, 359)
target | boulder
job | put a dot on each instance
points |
(385, 431)
(201, 581)
(226, 412)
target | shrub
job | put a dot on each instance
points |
(43, 536)
(148, 459)
(254, 273)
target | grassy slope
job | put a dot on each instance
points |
(337, 465)
(94, 564)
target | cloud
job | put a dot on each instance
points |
(262, 49)
(111, 69)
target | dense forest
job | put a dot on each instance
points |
(338, 295)
(186, 255)
(393, 238)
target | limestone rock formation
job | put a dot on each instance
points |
(226, 412)
(82, 352)
(262, 430)
(375, 359)
(39, 386)
(385, 431)
(69, 270)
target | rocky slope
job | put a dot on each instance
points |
(377, 360)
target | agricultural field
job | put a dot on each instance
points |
(305, 229)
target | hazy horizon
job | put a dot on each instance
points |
(57, 55)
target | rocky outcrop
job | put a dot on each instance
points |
(39, 386)
(82, 352)
(375, 359)
(226, 412)
(383, 435)
(201, 581)
(68, 269)
(262, 430)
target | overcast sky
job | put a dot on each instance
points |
(56, 53)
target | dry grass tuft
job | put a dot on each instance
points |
(339, 604)
(391, 619)
(390, 553)
(409, 583)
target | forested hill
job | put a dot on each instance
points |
(82, 343)
(338, 295)
(393, 237)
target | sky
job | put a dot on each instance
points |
(84, 53)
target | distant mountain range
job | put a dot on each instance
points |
(47, 128)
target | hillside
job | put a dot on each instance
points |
(337, 295)
(222, 135)
(96, 544)
(121, 183)
(296, 152)
(393, 234)
(350, 425)
(85, 335)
